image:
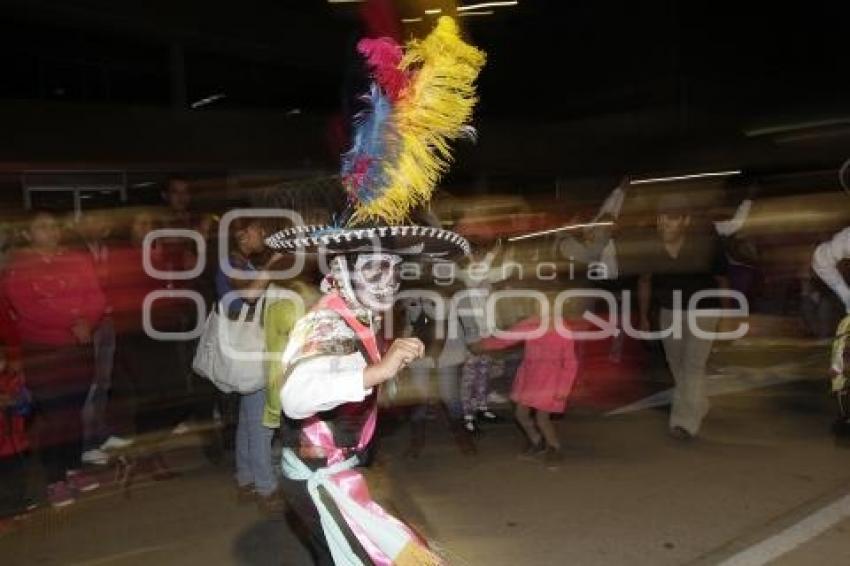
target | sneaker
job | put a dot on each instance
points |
(116, 443)
(496, 398)
(80, 482)
(488, 416)
(60, 495)
(533, 450)
(95, 457)
(553, 458)
(181, 429)
(469, 424)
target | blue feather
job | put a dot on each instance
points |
(374, 143)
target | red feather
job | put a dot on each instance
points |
(384, 56)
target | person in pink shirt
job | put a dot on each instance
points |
(543, 381)
(56, 302)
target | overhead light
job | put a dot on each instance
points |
(410, 20)
(208, 100)
(786, 128)
(434, 11)
(685, 177)
(561, 229)
(487, 5)
(469, 14)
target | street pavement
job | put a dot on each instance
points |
(626, 493)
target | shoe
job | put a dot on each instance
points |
(496, 398)
(271, 505)
(96, 457)
(60, 495)
(246, 493)
(469, 424)
(680, 433)
(181, 429)
(488, 416)
(533, 450)
(116, 443)
(80, 482)
(553, 458)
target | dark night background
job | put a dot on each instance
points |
(572, 89)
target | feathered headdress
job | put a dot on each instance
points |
(420, 101)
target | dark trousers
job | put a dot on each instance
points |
(59, 378)
(13, 485)
(308, 524)
(149, 389)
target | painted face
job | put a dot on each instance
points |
(375, 280)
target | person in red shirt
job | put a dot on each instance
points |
(14, 406)
(56, 302)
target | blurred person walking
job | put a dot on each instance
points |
(686, 259)
(57, 303)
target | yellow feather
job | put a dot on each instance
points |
(433, 112)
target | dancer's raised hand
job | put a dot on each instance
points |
(402, 352)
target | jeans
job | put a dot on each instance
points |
(447, 382)
(254, 445)
(95, 428)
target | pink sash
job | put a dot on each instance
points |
(319, 434)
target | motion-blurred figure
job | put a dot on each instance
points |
(58, 303)
(687, 259)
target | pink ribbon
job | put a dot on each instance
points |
(319, 434)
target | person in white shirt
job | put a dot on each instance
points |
(825, 264)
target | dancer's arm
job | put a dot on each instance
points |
(323, 383)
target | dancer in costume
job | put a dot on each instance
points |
(421, 100)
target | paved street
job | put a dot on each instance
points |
(626, 494)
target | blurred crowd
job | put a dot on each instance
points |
(85, 384)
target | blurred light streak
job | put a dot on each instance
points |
(785, 128)
(208, 100)
(561, 229)
(434, 11)
(685, 177)
(486, 5)
(410, 20)
(469, 14)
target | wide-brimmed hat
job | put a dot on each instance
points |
(427, 241)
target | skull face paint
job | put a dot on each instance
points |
(375, 280)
